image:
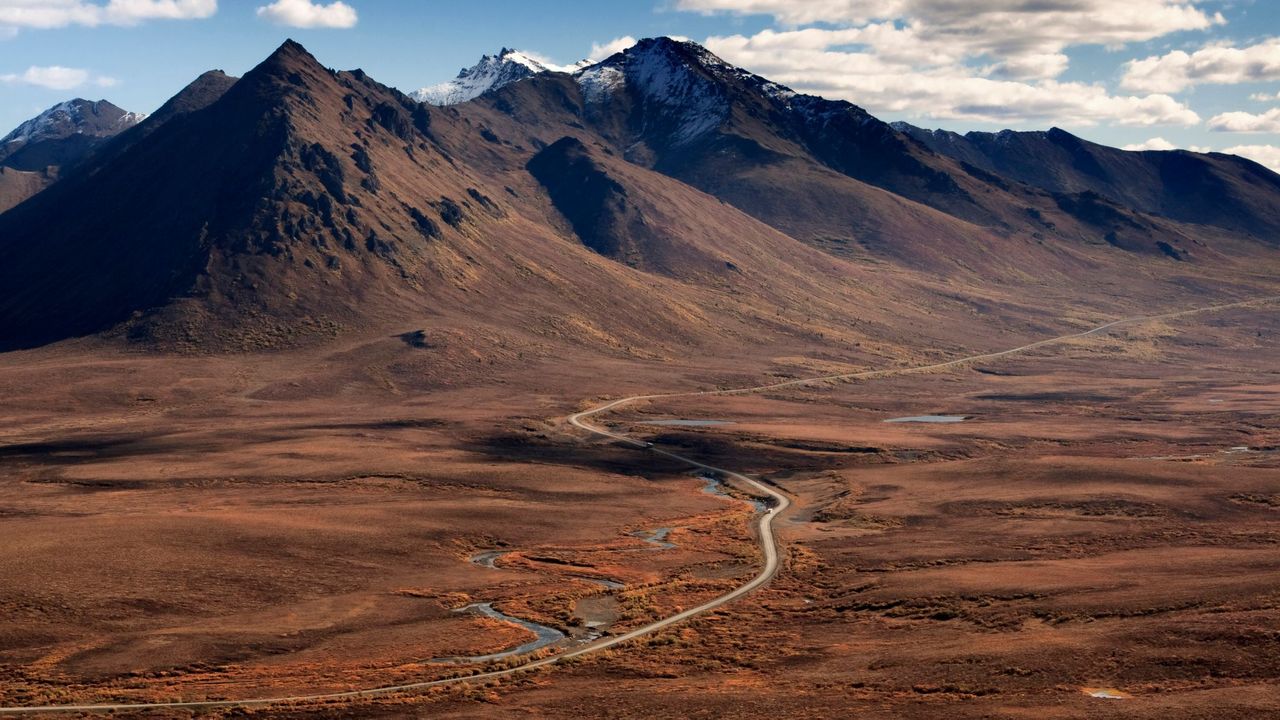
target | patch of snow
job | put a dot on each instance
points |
(695, 101)
(599, 82)
(130, 119)
(491, 73)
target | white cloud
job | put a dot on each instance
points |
(904, 79)
(1215, 64)
(601, 51)
(308, 14)
(1018, 39)
(1268, 155)
(1265, 97)
(1244, 122)
(45, 14)
(1043, 65)
(973, 60)
(55, 77)
(1155, 143)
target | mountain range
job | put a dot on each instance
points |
(655, 201)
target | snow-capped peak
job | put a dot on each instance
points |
(682, 77)
(73, 117)
(491, 73)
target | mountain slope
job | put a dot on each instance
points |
(199, 94)
(18, 185)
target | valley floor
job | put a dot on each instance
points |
(1104, 520)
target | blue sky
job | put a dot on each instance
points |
(1201, 74)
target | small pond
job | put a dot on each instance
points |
(677, 422)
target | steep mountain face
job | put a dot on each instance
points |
(491, 73)
(1211, 189)
(63, 134)
(60, 144)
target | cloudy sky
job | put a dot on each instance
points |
(1198, 74)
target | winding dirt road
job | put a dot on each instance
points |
(768, 543)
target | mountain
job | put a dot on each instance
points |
(656, 204)
(491, 73)
(197, 95)
(72, 133)
(823, 171)
(1210, 189)
(63, 133)
(304, 203)
(212, 203)
(32, 156)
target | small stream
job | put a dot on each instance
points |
(546, 635)
(489, 558)
(715, 486)
(656, 537)
(603, 582)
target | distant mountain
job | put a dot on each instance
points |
(63, 133)
(34, 154)
(491, 73)
(1211, 189)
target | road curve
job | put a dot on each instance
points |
(768, 543)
